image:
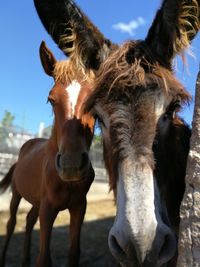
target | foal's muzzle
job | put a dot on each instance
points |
(70, 167)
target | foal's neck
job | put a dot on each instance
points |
(53, 139)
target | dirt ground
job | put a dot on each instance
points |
(95, 253)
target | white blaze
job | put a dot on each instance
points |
(73, 91)
(136, 218)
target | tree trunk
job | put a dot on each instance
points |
(189, 232)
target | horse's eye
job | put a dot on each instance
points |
(177, 105)
(172, 109)
(51, 101)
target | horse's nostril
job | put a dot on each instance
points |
(57, 161)
(116, 248)
(84, 160)
(167, 249)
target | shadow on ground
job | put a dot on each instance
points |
(94, 245)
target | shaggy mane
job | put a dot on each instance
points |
(117, 74)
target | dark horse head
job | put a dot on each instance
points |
(135, 99)
(135, 92)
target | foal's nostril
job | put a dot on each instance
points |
(57, 161)
(84, 160)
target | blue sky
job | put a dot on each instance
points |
(24, 85)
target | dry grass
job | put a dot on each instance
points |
(95, 252)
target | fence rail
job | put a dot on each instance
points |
(6, 161)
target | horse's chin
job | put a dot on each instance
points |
(77, 176)
(71, 179)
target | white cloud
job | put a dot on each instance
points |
(129, 27)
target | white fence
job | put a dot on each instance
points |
(6, 161)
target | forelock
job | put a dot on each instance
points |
(67, 71)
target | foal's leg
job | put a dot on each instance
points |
(15, 200)
(76, 219)
(30, 222)
(47, 215)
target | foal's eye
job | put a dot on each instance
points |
(51, 101)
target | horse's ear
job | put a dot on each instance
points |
(176, 23)
(47, 59)
(73, 32)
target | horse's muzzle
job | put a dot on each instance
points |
(72, 168)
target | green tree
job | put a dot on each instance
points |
(6, 123)
(8, 119)
(97, 141)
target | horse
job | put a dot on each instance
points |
(135, 91)
(55, 174)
